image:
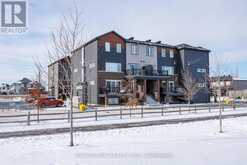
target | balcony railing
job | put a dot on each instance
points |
(110, 90)
(143, 72)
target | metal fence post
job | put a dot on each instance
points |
(130, 112)
(162, 111)
(28, 118)
(38, 113)
(223, 107)
(209, 107)
(142, 111)
(195, 108)
(234, 106)
(68, 117)
(121, 113)
(96, 114)
(180, 113)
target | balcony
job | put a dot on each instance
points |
(147, 73)
(110, 90)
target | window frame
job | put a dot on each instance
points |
(118, 48)
(170, 69)
(135, 47)
(149, 51)
(109, 67)
(106, 47)
(163, 52)
(171, 53)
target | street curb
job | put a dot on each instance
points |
(51, 131)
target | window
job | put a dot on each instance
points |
(107, 47)
(113, 101)
(118, 48)
(163, 52)
(150, 51)
(134, 49)
(171, 85)
(222, 83)
(113, 67)
(201, 85)
(200, 70)
(92, 65)
(113, 86)
(171, 53)
(92, 82)
(168, 69)
(228, 83)
(134, 66)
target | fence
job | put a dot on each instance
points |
(116, 113)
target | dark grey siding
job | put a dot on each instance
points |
(111, 56)
(165, 61)
(192, 60)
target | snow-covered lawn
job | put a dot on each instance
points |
(191, 143)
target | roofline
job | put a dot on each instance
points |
(186, 46)
(181, 46)
(57, 61)
(96, 38)
(149, 43)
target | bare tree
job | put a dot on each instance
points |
(63, 40)
(218, 70)
(190, 85)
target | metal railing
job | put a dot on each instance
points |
(122, 112)
(146, 72)
(109, 90)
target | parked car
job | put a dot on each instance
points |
(49, 101)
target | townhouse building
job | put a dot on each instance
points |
(59, 78)
(114, 69)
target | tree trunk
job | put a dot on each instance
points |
(71, 118)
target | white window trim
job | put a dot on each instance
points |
(136, 52)
(111, 70)
(201, 85)
(149, 51)
(170, 72)
(163, 52)
(106, 46)
(171, 53)
(201, 70)
(119, 48)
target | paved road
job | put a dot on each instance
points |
(114, 126)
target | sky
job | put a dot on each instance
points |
(218, 25)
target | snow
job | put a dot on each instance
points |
(188, 143)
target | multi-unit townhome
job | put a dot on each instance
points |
(116, 69)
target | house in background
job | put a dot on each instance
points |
(20, 87)
(4, 89)
(115, 68)
(230, 87)
(59, 78)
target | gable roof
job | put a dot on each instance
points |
(96, 38)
